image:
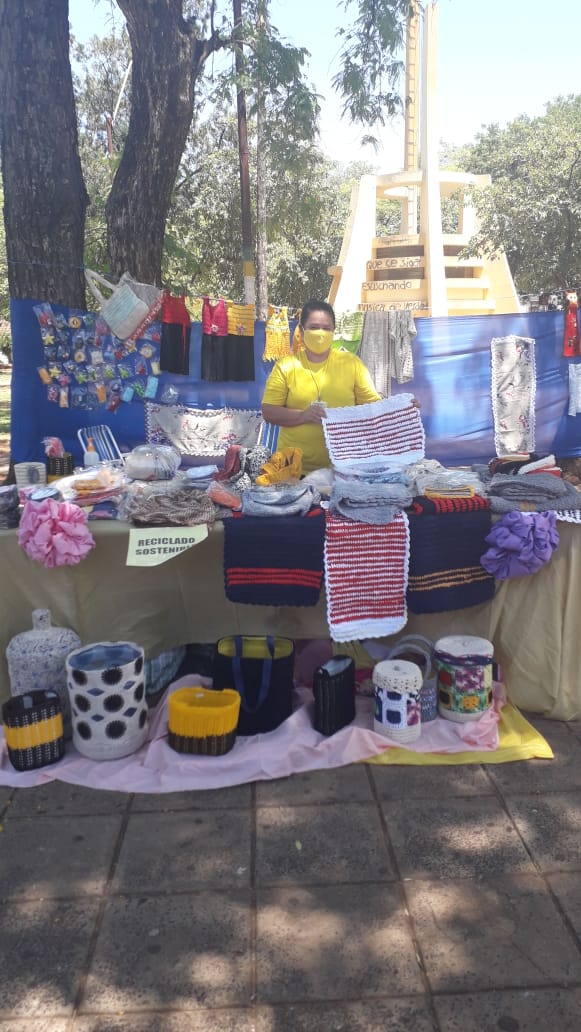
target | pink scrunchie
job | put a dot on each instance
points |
(55, 533)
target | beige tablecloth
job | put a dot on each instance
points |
(532, 621)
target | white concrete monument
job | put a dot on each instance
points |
(420, 268)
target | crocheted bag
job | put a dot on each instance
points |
(260, 668)
(421, 651)
(131, 306)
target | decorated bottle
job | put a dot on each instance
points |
(36, 659)
(90, 456)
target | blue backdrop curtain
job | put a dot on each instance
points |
(451, 381)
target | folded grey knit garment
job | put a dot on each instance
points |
(376, 503)
(543, 491)
(279, 500)
(448, 479)
(373, 469)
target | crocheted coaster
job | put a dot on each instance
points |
(445, 571)
(366, 570)
(513, 393)
(390, 429)
(274, 560)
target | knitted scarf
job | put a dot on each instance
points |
(390, 429)
(445, 571)
(366, 570)
(275, 561)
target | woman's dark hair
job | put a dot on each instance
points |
(315, 306)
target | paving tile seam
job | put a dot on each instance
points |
(253, 929)
(100, 915)
(543, 875)
(418, 953)
(544, 987)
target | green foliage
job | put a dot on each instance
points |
(370, 72)
(533, 207)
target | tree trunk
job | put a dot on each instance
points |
(44, 194)
(246, 209)
(167, 59)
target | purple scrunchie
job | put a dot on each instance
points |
(520, 543)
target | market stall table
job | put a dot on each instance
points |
(532, 621)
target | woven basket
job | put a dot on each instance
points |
(33, 729)
(420, 650)
(30, 474)
(106, 686)
(397, 714)
(63, 466)
(202, 721)
(334, 691)
(464, 668)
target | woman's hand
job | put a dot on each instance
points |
(315, 413)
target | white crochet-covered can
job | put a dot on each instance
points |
(464, 670)
(397, 710)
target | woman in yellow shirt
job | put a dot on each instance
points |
(301, 387)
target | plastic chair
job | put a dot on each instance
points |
(105, 444)
(267, 435)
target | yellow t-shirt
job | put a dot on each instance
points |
(296, 383)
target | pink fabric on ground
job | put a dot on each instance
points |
(295, 746)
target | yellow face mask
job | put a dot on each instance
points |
(318, 341)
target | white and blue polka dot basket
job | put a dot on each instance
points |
(106, 685)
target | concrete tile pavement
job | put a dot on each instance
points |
(435, 899)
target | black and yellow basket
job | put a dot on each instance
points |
(202, 721)
(61, 466)
(33, 729)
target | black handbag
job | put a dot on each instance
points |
(334, 691)
(261, 669)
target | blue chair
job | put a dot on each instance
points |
(267, 435)
(105, 444)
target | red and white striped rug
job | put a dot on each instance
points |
(366, 575)
(389, 429)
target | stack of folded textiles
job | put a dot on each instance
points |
(525, 462)
(539, 491)
(370, 493)
(449, 483)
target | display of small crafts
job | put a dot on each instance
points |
(86, 367)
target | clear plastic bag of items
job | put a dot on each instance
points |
(152, 462)
(166, 503)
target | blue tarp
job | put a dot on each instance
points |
(451, 381)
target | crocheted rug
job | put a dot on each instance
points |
(201, 432)
(445, 571)
(513, 393)
(274, 560)
(389, 429)
(366, 572)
